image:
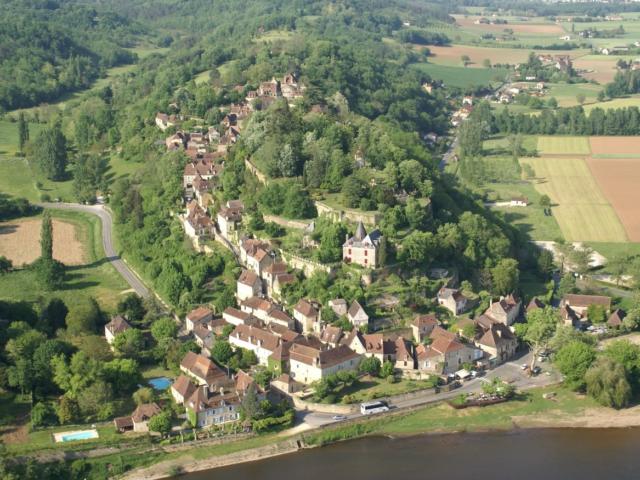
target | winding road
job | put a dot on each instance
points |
(107, 242)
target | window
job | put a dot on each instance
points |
(366, 252)
(349, 251)
(365, 261)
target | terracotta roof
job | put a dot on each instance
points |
(122, 423)
(244, 381)
(257, 303)
(306, 308)
(184, 386)
(199, 314)
(203, 399)
(321, 358)
(283, 332)
(203, 368)
(144, 412)
(427, 320)
(248, 277)
(586, 300)
(117, 325)
(255, 335)
(331, 334)
(403, 350)
(285, 278)
(496, 335)
(276, 268)
(239, 314)
(277, 314)
(616, 318)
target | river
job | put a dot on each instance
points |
(561, 454)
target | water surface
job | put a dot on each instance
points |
(561, 454)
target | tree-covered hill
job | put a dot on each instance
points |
(48, 48)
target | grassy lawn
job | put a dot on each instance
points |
(612, 250)
(12, 407)
(565, 93)
(564, 145)
(581, 209)
(442, 418)
(202, 77)
(41, 440)
(500, 144)
(97, 278)
(156, 371)
(370, 388)
(274, 36)
(463, 77)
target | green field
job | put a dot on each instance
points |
(463, 77)
(564, 145)
(581, 209)
(633, 101)
(566, 93)
(531, 219)
(97, 278)
(202, 77)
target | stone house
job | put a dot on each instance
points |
(453, 300)
(307, 314)
(423, 325)
(506, 310)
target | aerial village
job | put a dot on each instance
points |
(292, 342)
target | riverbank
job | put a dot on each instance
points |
(530, 410)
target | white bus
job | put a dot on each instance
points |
(369, 408)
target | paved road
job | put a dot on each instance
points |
(510, 372)
(107, 242)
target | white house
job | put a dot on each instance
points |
(196, 316)
(357, 316)
(261, 342)
(117, 325)
(309, 364)
(248, 285)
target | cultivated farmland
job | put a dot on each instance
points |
(563, 146)
(615, 146)
(582, 210)
(538, 29)
(451, 55)
(619, 180)
(20, 242)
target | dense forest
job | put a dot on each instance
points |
(48, 48)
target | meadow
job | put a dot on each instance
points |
(462, 77)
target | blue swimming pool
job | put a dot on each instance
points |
(160, 383)
(84, 435)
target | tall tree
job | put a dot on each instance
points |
(46, 237)
(23, 132)
(50, 152)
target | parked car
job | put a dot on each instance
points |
(536, 370)
(339, 418)
(524, 366)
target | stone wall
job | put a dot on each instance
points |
(338, 215)
(307, 266)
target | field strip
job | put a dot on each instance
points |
(581, 209)
(564, 145)
(619, 179)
